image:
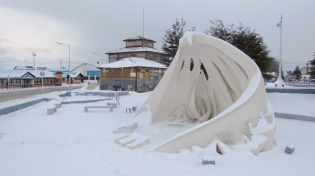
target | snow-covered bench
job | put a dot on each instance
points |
(86, 108)
(141, 141)
(126, 129)
(113, 104)
(132, 141)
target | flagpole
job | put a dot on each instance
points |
(279, 80)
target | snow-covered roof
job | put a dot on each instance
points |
(90, 63)
(23, 68)
(12, 73)
(72, 74)
(133, 62)
(20, 73)
(135, 49)
(138, 38)
(36, 73)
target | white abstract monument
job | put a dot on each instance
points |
(215, 85)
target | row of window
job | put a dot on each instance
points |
(141, 55)
(139, 43)
(3, 82)
(17, 82)
(130, 70)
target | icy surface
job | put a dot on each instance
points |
(302, 104)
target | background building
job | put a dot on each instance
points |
(137, 47)
(132, 73)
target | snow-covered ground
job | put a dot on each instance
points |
(73, 142)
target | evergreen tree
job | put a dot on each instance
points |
(244, 39)
(171, 40)
(297, 73)
(312, 72)
(289, 76)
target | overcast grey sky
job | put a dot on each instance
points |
(101, 25)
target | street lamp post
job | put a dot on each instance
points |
(69, 67)
(34, 54)
(100, 55)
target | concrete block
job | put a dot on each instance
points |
(208, 160)
(289, 149)
(113, 104)
(58, 105)
(50, 111)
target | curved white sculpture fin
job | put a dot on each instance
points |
(211, 82)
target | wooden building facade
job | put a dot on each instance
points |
(133, 74)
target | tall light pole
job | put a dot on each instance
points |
(34, 54)
(100, 55)
(279, 80)
(69, 67)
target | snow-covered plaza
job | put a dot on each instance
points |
(74, 142)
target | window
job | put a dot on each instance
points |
(37, 81)
(127, 70)
(1, 82)
(45, 81)
(51, 81)
(130, 43)
(138, 43)
(113, 56)
(16, 81)
(141, 55)
(112, 60)
(121, 56)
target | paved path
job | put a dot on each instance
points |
(7, 95)
(294, 117)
